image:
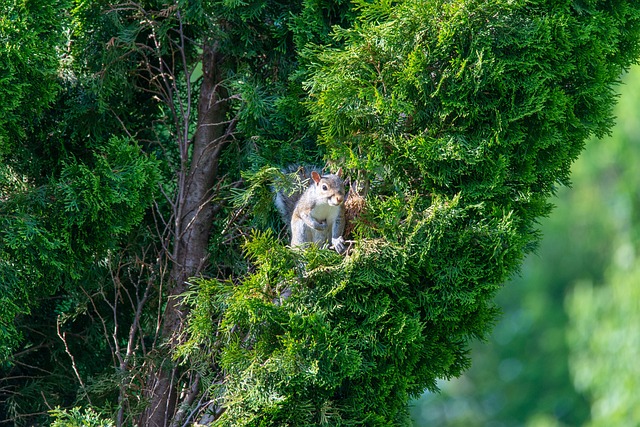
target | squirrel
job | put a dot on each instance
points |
(317, 215)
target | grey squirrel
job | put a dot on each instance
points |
(317, 214)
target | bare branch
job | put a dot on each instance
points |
(102, 322)
(63, 337)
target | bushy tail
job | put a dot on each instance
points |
(295, 180)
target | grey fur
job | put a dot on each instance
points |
(317, 214)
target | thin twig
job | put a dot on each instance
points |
(63, 337)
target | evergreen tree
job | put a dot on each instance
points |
(29, 67)
(458, 120)
(111, 188)
(151, 157)
(529, 373)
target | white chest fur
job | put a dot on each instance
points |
(325, 212)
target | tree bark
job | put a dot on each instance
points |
(193, 220)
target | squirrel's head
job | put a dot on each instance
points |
(329, 187)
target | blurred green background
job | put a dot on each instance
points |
(566, 351)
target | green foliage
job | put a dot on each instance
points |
(492, 96)
(31, 37)
(462, 117)
(80, 246)
(357, 336)
(571, 305)
(459, 118)
(314, 357)
(52, 234)
(76, 418)
(268, 38)
(108, 196)
(73, 192)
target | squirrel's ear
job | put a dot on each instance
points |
(315, 176)
(339, 173)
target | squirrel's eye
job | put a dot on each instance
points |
(324, 187)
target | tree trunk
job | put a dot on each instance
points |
(193, 220)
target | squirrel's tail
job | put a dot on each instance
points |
(286, 204)
(286, 201)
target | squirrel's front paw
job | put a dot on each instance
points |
(320, 225)
(338, 244)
